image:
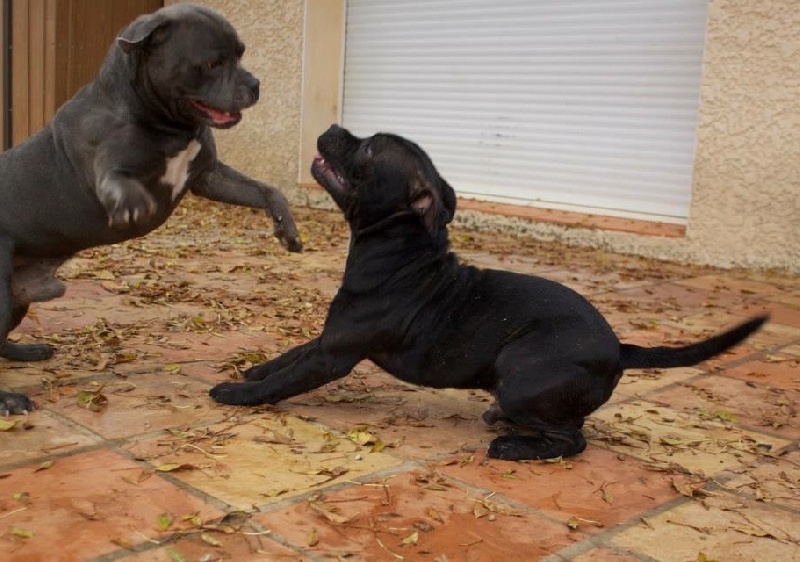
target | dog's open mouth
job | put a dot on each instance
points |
(218, 117)
(325, 174)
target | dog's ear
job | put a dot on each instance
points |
(435, 205)
(138, 34)
(448, 198)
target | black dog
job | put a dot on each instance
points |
(120, 155)
(546, 354)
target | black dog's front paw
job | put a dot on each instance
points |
(13, 403)
(238, 394)
(26, 352)
(257, 372)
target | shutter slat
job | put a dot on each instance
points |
(576, 103)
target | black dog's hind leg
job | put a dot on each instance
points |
(549, 396)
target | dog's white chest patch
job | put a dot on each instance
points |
(177, 169)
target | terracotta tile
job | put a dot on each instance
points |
(755, 406)
(600, 487)
(674, 298)
(76, 508)
(775, 370)
(722, 283)
(417, 423)
(793, 350)
(38, 435)
(255, 459)
(139, 404)
(435, 518)
(246, 546)
(721, 528)
(664, 437)
(791, 299)
(178, 347)
(774, 481)
(781, 314)
(519, 263)
(637, 383)
(605, 555)
(591, 283)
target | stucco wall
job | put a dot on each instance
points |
(266, 144)
(746, 190)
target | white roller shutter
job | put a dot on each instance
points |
(584, 104)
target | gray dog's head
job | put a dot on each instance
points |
(187, 63)
(380, 176)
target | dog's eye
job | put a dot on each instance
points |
(368, 150)
(212, 64)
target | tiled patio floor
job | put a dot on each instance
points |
(685, 465)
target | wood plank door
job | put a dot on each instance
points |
(57, 47)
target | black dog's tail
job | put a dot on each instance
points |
(636, 357)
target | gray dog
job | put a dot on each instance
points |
(120, 155)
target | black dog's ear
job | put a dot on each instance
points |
(436, 206)
(138, 34)
(448, 198)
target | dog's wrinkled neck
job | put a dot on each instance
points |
(383, 223)
(394, 252)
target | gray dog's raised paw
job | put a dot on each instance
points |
(126, 201)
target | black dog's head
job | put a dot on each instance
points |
(381, 176)
(188, 65)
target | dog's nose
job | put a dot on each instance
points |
(255, 86)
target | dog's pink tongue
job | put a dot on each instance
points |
(220, 117)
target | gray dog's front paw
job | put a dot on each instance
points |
(126, 200)
(286, 232)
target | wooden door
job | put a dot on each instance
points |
(57, 47)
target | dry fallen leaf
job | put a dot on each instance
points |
(313, 538)
(208, 539)
(164, 521)
(44, 466)
(411, 539)
(21, 533)
(175, 467)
